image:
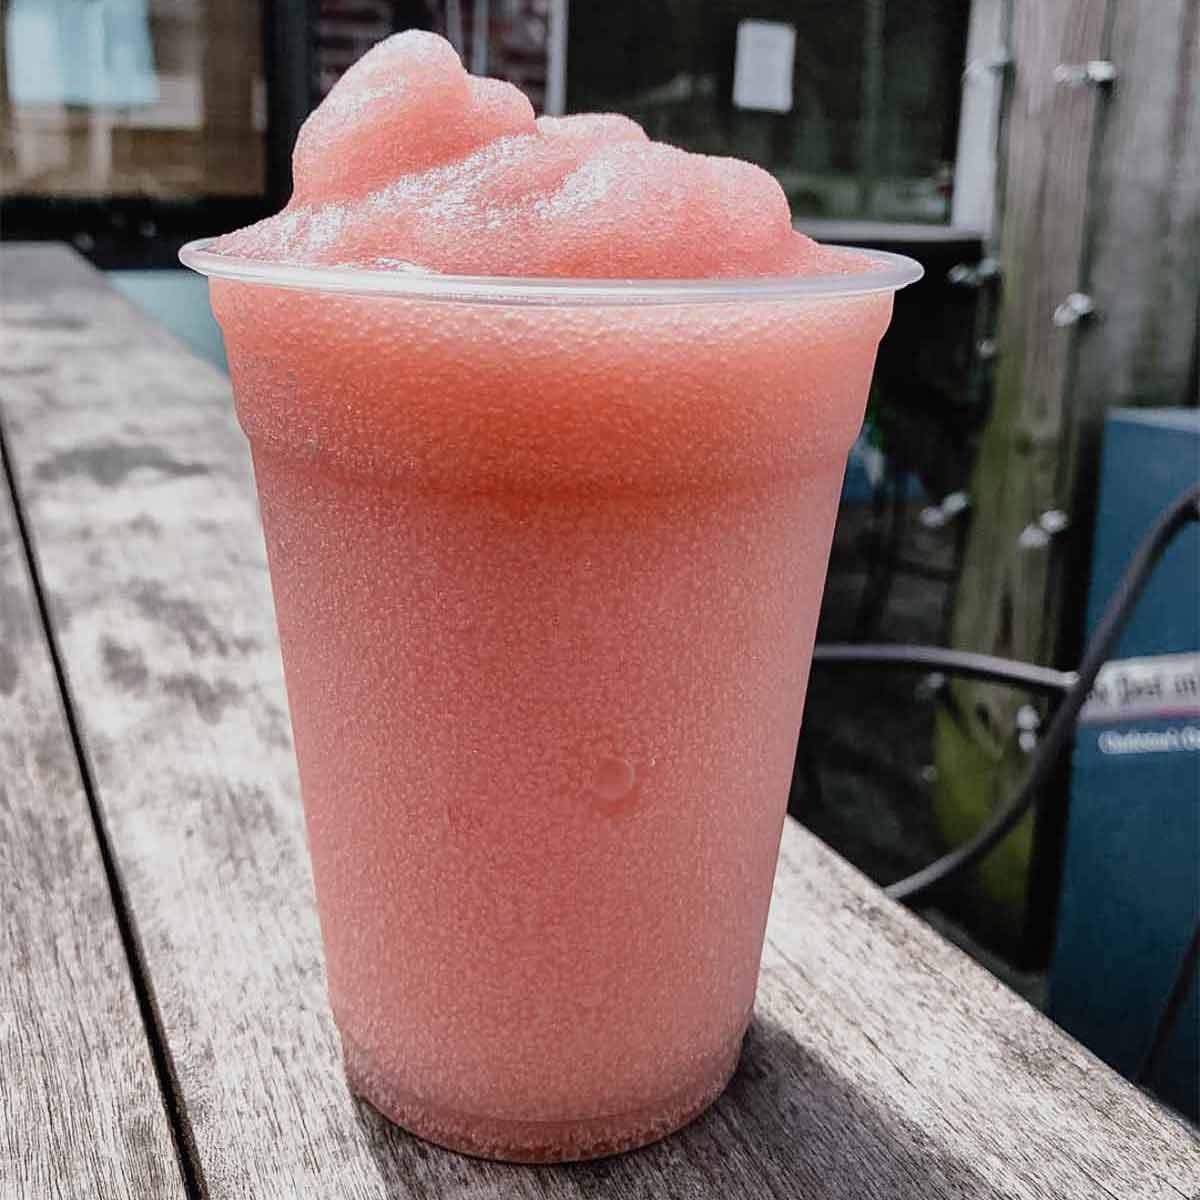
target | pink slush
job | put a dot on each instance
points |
(547, 562)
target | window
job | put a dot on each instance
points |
(868, 130)
(111, 98)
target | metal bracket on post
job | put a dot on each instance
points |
(996, 63)
(1098, 73)
(973, 275)
(1029, 725)
(936, 516)
(1039, 534)
(1073, 309)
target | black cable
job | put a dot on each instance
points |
(1185, 509)
(1181, 988)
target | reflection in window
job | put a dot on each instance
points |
(516, 40)
(873, 107)
(159, 98)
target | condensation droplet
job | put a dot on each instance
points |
(614, 779)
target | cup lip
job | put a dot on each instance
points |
(888, 272)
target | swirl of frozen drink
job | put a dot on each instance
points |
(411, 162)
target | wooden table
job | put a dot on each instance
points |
(163, 1025)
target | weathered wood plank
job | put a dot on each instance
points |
(881, 1064)
(80, 1109)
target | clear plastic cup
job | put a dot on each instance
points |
(547, 557)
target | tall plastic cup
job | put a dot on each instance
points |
(547, 557)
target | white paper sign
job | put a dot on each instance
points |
(1129, 689)
(762, 68)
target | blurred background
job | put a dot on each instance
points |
(1034, 406)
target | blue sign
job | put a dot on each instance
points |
(1131, 874)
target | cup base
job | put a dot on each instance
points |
(536, 1141)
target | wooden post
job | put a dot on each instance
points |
(1143, 253)
(1102, 198)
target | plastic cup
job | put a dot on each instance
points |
(547, 557)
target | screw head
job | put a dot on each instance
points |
(1028, 718)
(1074, 308)
(955, 503)
(931, 685)
(1054, 521)
(1033, 537)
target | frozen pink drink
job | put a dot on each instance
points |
(547, 554)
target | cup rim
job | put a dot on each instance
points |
(888, 272)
